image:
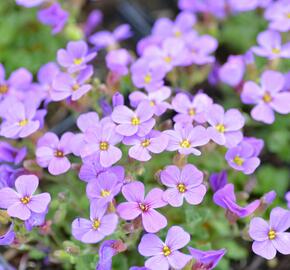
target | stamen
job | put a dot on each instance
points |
(185, 144)
(267, 97)
(220, 128)
(3, 89)
(144, 207)
(78, 61)
(135, 121)
(238, 160)
(181, 188)
(25, 199)
(191, 112)
(59, 153)
(272, 234)
(145, 143)
(104, 146)
(147, 79)
(105, 193)
(96, 224)
(23, 122)
(166, 251)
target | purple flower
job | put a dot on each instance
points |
(51, 152)
(8, 153)
(268, 97)
(206, 260)
(118, 60)
(270, 46)
(8, 175)
(138, 268)
(148, 74)
(232, 72)
(53, 16)
(242, 158)
(104, 188)
(183, 184)
(106, 39)
(22, 203)
(278, 15)
(20, 120)
(287, 197)
(218, 180)
(101, 140)
(155, 142)
(29, 3)
(226, 198)
(139, 122)
(270, 237)
(67, 85)
(156, 99)
(98, 227)
(75, 57)
(256, 143)
(191, 109)
(185, 139)
(138, 205)
(8, 237)
(225, 126)
(164, 255)
(36, 219)
(94, 19)
(117, 99)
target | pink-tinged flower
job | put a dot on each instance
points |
(156, 99)
(20, 119)
(139, 122)
(52, 152)
(8, 153)
(270, 45)
(287, 197)
(278, 13)
(106, 39)
(200, 49)
(206, 260)
(183, 184)
(226, 198)
(268, 97)
(67, 85)
(164, 255)
(191, 109)
(29, 3)
(218, 180)
(271, 237)
(242, 158)
(137, 205)
(232, 72)
(101, 140)
(96, 228)
(53, 16)
(148, 74)
(104, 188)
(154, 142)
(185, 139)
(75, 57)
(118, 60)
(8, 237)
(225, 127)
(21, 203)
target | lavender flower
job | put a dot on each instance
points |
(225, 126)
(8, 237)
(22, 203)
(183, 184)
(206, 259)
(270, 46)
(226, 198)
(138, 205)
(8, 153)
(268, 97)
(130, 123)
(51, 152)
(185, 139)
(36, 219)
(287, 197)
(94, 19)
(29, 3)
(118, 60)
(272, 236)
(97, 228)
(155, 142)
(165, 255)
(218, 180)
(75, 57)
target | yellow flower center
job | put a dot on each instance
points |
(276, 50)
(185, 144)
(104, 146)
(220, 128)
(267, 97)
(3, 89)
(152, 103)
(239, 161)
(58, 153)
(25, 199)
(75, 87)
(191, 112)
(143, 207)
(177, 33)
(23, 122)
(96, 224)
(147, 79)
(168, 59)
(78, 61)
(288, 15)
(272, 234)
(145, 143)
(105, 193)
(181, 188)
(135, 121)
(166, 251)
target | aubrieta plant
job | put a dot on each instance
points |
(172, 157)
